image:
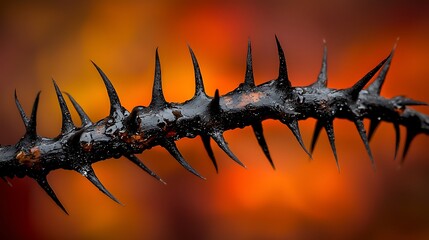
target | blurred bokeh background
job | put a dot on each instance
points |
(301, 199)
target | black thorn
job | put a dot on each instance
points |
(357, 87)
(411, 134)
(293, 126)
(30, 124)
(115, 104)
(158, 100)
(249, 80)
(218, 138)
(209, 150)
(372, 127)
(199, 85)
(89, 173)
(331, 136)
(21, 111)
(283, 76)
(317, 129)
(67, 123)
(322, 79)
(136, 161)
(172, 149)
(42, 181)
(361, 129)
(376, 86)
(397, 138)
(31, 130)
(82, 115)
(215, 103)
(259, 133)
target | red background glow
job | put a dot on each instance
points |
(298, 200)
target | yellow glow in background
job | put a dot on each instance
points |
(298, 200)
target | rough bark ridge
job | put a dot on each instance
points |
(124, 133)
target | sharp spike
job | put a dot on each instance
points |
(21, 111)
(89, 173)
(215, 103)
(249, 80)
(136, 161)
(259, 133)
(42, 181)
(158, 100)
(322, 79)
(283, 78)
(31, 130)
(376, 86)
(411, 134)
(172, 149)
(329, 127)
(82, 115)
(293, 126)
(372, 127)
(397, 138)
(218, 138)
(115, 104)
(67, 123)
(357, 87)
(317, 129)
(30, 124)
(199, 85)
(361, 129)
(209, 150)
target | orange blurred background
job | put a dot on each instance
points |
(298, 200)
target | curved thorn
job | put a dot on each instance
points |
(115, 104)
(30, 124)
(82, 115)
(218, 138)
(209, 150)
(67, 123)
(361, 129)
(322, 79)
(259, 133)
(158, 100)
(172, 149)
(376, 86)
(329, 128)
(397, 138)
(317, 129)
(139, 163)
(249, 80)
(357, 87)
(372, 127)
(89, 173)
(293, 126)
(283, 76)
(199, 85)
(21, 111)
(42, 181)
(411, 134)
(31, 130)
